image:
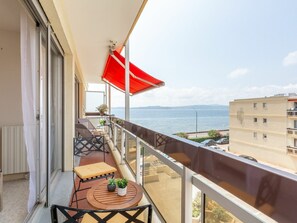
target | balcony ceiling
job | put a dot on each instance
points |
(93, 24)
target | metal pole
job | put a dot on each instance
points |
(138, 150)
(123, 145)
(115, 136)
(127, 83)
(109, 99)
(48, 122)
(186, 207)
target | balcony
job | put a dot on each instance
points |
(292, 131)
(292, 112)
(292, 150)
(173, 171)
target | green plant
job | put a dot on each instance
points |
(102, 109)
(102, 121)
(111, 181)
(182, 134)
(119, 121)
(196, 206)
(200, 139)
(122, 182)
(214, 133)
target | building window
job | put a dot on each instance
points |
(264, 105)
(255, 135)
(264, 120)
(264, 136)
(255, 119)
(295, 124)
(255, 105)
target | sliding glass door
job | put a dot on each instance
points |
(55, 109)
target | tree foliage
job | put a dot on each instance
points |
(214, 133)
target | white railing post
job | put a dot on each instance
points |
(186, 207)
(115, 137)
(138, 149)
(202, 210)
(123, 145)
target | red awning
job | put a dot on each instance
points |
(114, 74)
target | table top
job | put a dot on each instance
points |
(100, 198)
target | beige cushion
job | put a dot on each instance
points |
(118, 218)
(93, 170)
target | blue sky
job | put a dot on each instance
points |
(212, 52)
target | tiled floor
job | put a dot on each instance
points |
(15, 197)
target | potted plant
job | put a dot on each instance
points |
(102, 122)
(111, 186)
(102, 109)
(122, 186)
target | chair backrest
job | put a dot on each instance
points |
(86, 122)
(83, 131)
(61, 214)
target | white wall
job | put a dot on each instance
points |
(10, 79)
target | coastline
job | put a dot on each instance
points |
(199, 134)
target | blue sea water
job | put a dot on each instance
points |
(178, 119)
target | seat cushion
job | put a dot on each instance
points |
(118, 218)
(94, 170)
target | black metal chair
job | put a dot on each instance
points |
(88, 141)
(86, 122)
(138, 214)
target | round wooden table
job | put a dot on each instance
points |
(100, 198)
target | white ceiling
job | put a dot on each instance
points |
(93, 23)
(9, 15)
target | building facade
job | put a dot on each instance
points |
(265, 128)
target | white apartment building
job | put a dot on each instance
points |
(266, 129)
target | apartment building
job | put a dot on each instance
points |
(266, 129)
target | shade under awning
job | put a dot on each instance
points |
(114, 74)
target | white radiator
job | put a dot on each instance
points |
(14, 155)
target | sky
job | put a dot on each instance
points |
(212, 52)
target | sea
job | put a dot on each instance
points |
(171, 120)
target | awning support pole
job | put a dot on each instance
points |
(127, 82)
(109, 99)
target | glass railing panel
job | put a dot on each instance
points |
(216, 213)
(119, 139)
(163, 185)
(267, 189)
(131, 152)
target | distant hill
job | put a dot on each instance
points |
(181, 107)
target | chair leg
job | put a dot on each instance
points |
(74, 193)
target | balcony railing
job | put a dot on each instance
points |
(292, 150)
(292, 112)
(171, 168)
(292, 131)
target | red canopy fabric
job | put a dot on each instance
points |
(114, 74)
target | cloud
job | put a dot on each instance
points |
(239, 72)
(290, 59)
(167, 96)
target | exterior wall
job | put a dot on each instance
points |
(10, 84)
(69, 80)
(265, 141)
